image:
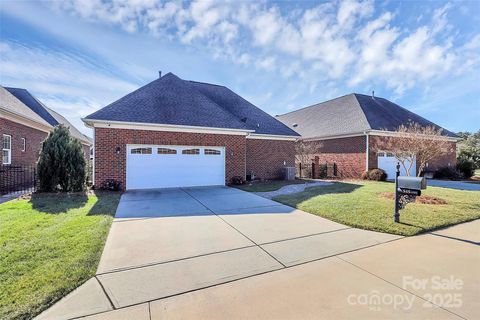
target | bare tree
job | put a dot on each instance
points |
(418, 143)
(305, 151)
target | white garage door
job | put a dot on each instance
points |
(151, 166)
(388, 163)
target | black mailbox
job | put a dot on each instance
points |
(412, 183)
(406, 190)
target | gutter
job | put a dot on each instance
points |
(160, 127)
(367, 151)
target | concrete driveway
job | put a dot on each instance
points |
(459, 185)
(167, 242)
(220, 252)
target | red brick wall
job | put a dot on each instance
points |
(34, 139)
(379, 143)
(265, 158)
(109, 165)
(347, 153)
(449, 158)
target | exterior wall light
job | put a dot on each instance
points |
(117, 150)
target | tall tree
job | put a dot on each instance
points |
(61, 163)
(469, 147)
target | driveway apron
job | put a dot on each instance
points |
(167, 242)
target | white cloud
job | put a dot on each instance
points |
(69, 84)
(351, 39)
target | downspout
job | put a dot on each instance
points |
(366, 150)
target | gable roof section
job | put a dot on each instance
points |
(10, 104)
(30, 101)
(352, 114)
(73, 130)
(253, 117)
(49, 116)
(172, 101)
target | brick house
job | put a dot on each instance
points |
(24, 124)
(22, 131)
(176, 133)
(51, 117)
(352, 132)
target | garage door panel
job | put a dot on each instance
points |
(189, 166)
(388, 163)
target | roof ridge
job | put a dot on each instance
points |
(215, 103)
(315, 105)
(361, 108)
(207, 83)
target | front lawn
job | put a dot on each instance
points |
(359, 204)
(50, 244)
(266, 186)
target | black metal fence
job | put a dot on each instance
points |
(18, 179)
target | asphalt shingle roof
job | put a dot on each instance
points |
(30, 101)
(46, 114)
(12, 104)
(351, 114)
(174, 101)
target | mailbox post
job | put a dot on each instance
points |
(396, 213)
(406, 190)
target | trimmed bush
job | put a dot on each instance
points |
(111, 185)
(448, 173)
(237, 180)
(61, 165)
(374, 174)
(466, 167)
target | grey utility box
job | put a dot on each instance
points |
(413, 183)
(289, 173)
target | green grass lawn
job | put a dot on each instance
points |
(266, 186)
(358, 204)
(50, 244)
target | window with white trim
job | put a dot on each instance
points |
(141, 151)
(191, 151)
(7, 149)
(212, 152)
(24, 144)
(166, 151)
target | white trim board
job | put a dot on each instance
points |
(25, 121)
(371, 133)
(271, 137)
(180, 128)
(162, 127)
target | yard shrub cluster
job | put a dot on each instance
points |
(466, 167)
(61, 165)
(375, 175)
(449, 173)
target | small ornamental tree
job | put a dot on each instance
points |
(304, 153)
(61, 163)
(415, 143)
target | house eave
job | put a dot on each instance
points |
(97, 123)
(18, 118)
(385, 133)
(272, 137)
(371, 132)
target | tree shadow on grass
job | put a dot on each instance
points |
(107, 202)
(311, 192)
(54, 203)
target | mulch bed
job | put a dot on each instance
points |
(420, 199)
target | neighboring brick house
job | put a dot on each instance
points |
(24, 125)
(178, 133)
(53, 118)
(351, 132)
(22, 131)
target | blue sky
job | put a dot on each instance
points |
(78, 56)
